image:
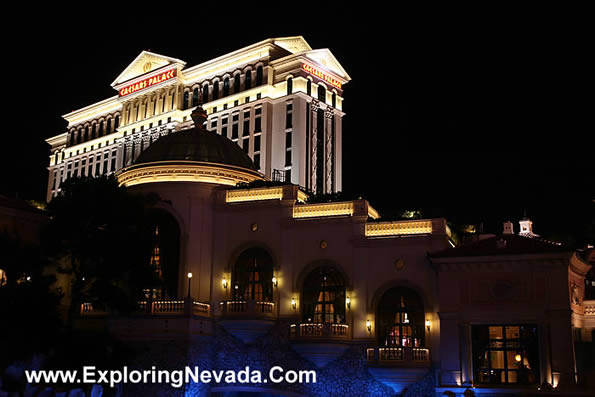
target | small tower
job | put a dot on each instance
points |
(526, 228)
(508, 227)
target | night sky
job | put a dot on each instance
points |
(477, 115)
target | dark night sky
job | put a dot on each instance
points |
(473, 114)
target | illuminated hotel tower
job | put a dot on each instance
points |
(279, 99)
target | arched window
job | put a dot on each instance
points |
(259, 73)
(117, 122)
(321, 93)
(400, 319)
(186, 96)
(205, 93)
(252, 277)
(100, 128)
(334, 99)
(161, 238)
(72, 134)
(324, 296)
(289, 85)
(248, 80)
(108, 126)
(226, 87)
(236, 83)
(216, 90)
(195, 96)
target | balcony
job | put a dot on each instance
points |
(247, 320)
(319, 343)
(398, 356)
(160, 307)
(319, 331)
(247, 309)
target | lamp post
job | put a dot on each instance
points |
(189, 281)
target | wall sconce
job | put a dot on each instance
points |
(293, 303)
(224, 283)
(428, 323)
(275, 282)
(369, 326)
(348, 302)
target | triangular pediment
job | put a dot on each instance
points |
(144, 63)
(326, 59)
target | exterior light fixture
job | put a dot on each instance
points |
(517, 358)
(369, 326)
(224, 283)
(348, 302)
(293, 303)
(189, 280)
(428, 323)
(275, 282)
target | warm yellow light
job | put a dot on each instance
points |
(348, 302)
(517, 357)
(189, 275)
(369, 325)
(224, 282)
(293, 303)
(428, 323)
(275, 281)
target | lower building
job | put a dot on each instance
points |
(257, 276)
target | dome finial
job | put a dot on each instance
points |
(199, 115)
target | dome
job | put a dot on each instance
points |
(196, 144)
(191, 155)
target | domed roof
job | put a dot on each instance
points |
(196, 144)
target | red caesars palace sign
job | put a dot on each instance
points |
(321, 75)
(148, 82)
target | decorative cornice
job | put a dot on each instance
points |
(180, 171)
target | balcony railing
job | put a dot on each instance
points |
(400, 356)
(589, 307)
(247, 309)
(160, 307)
(319, 331)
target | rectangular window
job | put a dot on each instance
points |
(505, 354)
(287, 158)
(257, 161)
(246, 127)
(288, 140)
(246, 144)
(257, 143)
(289, 116)
(234, 131)
(257, 125)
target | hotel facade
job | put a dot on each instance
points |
(279, 100)
(256, 273)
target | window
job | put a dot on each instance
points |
(216, 90)
(186, 96)
(257, 161)
(505, 354)
(205, 93)
(226, 87)
(309, 87)
(289, 115)
(290, 86)
(334, 99)
(257, 125)
(257, 143)
(248, 80)
(400, 319)
(236, 83)
(259, 73)
(321, 93)
(324, 296)
(252, 277)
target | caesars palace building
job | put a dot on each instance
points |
(256, 273)
(279, 100)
